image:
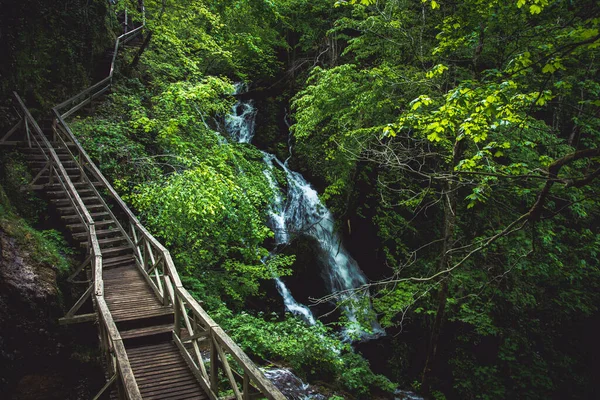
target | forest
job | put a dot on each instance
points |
(389, 198)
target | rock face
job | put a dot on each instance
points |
(32, 283)
(36, 357)
(28, 297)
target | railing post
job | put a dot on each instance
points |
(177, 322)
(27, 131)
(214, 364)
(145, 254)
(246, 386)
(79, 164)
(165, 289)
(54, 128)
(51, 173)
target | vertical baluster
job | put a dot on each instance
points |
(145, 256)
(54, 122)
(214, 365)
(51, 173)
(178, 311)
(246, 386)
(27, 131)
(79, 164)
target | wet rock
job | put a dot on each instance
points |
(291, 386)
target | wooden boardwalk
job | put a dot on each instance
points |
(144, 322)
(157, 341)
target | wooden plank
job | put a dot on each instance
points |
(144, 349)
(156, 360)
(80, 302)
(77, 319)
(175, 391)
(194, 368)
(106, 386)
(140, 369)
(126, 373)
(164, 380)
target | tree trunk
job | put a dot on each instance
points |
(145, 44)
(450, 197)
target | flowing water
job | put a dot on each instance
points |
(302, 213)
(240, 122)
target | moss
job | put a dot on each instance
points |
(44, 247)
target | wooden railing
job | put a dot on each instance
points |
(194, 330)
(85, 97)
(117, 362)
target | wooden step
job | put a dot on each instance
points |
(39, 156)
(147, 331)
(95, 216)
(105, 242)
(61, 193)
(66, 202)
(99, 233)
(110, 252)
(39, 164)
(78, 227)
(114, 262)
(161, 372)
(143, 313)
(78, 186)
(70, 210)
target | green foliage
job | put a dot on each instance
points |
(311, 351)
(475, 100)
(43, 247)
(213, 220)
(48, 49)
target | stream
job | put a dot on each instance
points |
(299, 211)
(296, 211)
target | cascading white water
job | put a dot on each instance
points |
(303, 214)
(278, 225)
(240, 122)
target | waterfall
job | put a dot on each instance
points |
(277, 223)
(240, 122)
(302, 213)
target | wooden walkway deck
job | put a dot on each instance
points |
(151, 329)
(160, 366)
(144, 322)
(156, 340)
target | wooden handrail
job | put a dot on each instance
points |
(115, 344)
(156, 263)
(100, 87)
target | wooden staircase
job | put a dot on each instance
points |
(157, 341)
(144, 322)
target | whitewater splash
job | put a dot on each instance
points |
(241, 121)
(302, 213)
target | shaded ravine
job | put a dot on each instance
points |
(302, 213)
